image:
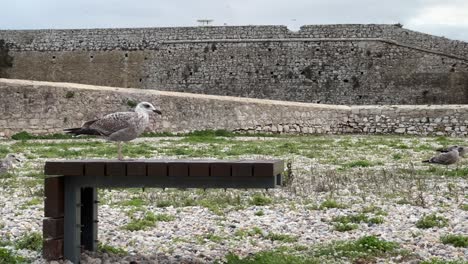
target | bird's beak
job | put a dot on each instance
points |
(18, 160)
(157, 111)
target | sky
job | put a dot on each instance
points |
(448, 18)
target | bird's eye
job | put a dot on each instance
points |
(147, 106)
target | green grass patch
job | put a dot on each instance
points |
(464, 207)
(254, 231)
(32, 202)
(259, 213)
(105, 248)
(374, 210)
(358, 164)
(432, 220)
(135, 201)
(347, 221)
(147, 221)
(328, 204)
(455, 240)
(271, 257)
(8, 257)
(442, 261)
(27, 136)
(344, 227)
(281, 237)
(260, 200)
(258, 232)
(216, 201)
(364, 248)
(202, 239)
(31, 241)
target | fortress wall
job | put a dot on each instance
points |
(333, 64)
(46, 107)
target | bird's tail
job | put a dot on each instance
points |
(426, 161)
(81, 131)
(443, 150)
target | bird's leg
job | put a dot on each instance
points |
(119, 144)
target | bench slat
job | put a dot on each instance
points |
(162, 168)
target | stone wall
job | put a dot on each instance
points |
(335, 64)
(46, 107)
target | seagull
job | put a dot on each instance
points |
(445, 158)
(119, 126)
(461, 150)
(8, 163)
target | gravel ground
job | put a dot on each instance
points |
(185, 239)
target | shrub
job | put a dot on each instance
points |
(455, 240)
(32, 241)
(430, 221)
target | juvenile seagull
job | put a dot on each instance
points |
(445, 158)
(461, 150)
(8, 163)
(120, 126)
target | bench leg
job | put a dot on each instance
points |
(89, 219)
(72, 221)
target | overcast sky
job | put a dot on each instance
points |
(447, 18)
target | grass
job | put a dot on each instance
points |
(281, 237)
(270, 257)
(147, 221)
(258, 232)
(349, 222)
(8, 257)
(431, 221)
(455, 240)
(259, 213)
(366, 247)
(31, 241)
(316, 160)
(358, 163)
(32, 202)
(260, 200)
(328, 204)
(358, 218)
(135, 201)
(374, 210)
(441, 261)
(218, 202)
(363, 250)
(27, 136)
(464, 207)
(344, 227)
(202, 239)
(105, 248)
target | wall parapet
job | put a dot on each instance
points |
(151, 38)
(46, 107)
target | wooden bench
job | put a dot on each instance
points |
(70, 206)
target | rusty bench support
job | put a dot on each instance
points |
(71, 204)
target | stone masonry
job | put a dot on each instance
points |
(331, 64)
(45, 107)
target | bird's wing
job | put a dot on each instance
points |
(448, 149)
(444, 158)
(112, 123)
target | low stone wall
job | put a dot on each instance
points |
(46, 107)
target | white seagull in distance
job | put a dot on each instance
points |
(120, 126)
